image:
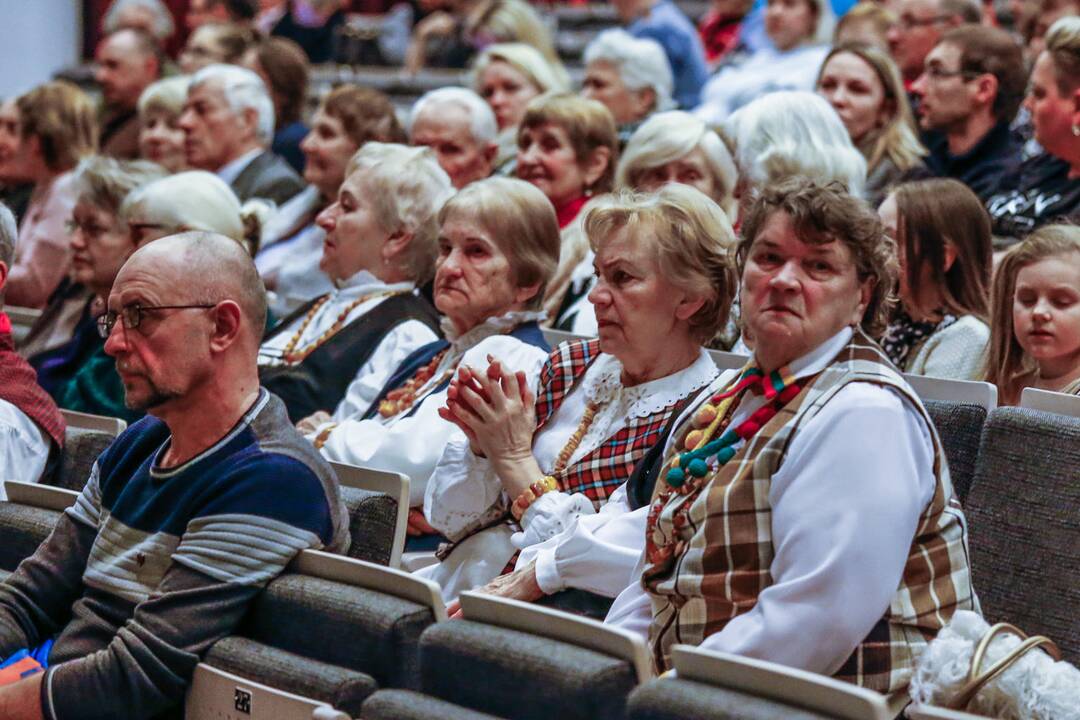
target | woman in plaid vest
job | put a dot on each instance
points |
(804, 513)
(534, 465)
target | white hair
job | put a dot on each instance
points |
(408, 188)
(192, 200)
(669, 136)
(790, 133)
(826, 22)
(9, 232)
(166, 96)
(242, 90)
(164, 26)
(482, 125)
(640, 62)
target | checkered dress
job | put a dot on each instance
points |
(600, 472)
(725, 552)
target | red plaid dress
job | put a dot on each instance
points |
(600, 472)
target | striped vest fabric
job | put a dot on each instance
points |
(599, 473)
(722, 562)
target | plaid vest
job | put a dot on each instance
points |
(726, 547)
(599, 473)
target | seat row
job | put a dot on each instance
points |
(346, 637)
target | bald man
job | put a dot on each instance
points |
(127, 61)
(189, 513)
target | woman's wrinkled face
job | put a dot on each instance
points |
(854, 90)
(327, 150)
(100, 245)
(508, 91)
(637, 308)
(789, 22)
(474, 279)
(604, 84)
(354, 238)
(691, 169)
(1046, 312)
(161, 140)
(796, 295)
(547, 160)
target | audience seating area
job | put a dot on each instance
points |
(357, 636)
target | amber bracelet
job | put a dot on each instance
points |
(545, 484)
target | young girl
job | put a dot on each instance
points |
(1035, 340)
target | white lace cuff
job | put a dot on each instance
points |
(550, 515)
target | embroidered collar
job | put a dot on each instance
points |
(499, 325)
(602, 385)
(364, 283)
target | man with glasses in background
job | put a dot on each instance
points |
(919, 26)
(971, 87)
(185, 517)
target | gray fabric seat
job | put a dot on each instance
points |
(81, 450)
(372, 517)
(513, 675)
(327, 640)
(677, 699)
(1022, 520)
(960, 427)
(22, 529)
(411, 705)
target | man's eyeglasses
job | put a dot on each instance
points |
(909, 22)
(132, 315)
(938, 73)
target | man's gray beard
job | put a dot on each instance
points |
(156, 398)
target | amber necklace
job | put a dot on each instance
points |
(402, 398)
(293, 356)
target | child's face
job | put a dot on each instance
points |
(1046, 312)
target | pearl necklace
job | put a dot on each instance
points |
(292, 356)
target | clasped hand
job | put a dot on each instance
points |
(496, 411)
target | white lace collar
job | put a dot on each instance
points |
(499, 325)
(603, 385)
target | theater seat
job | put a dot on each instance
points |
(678, 699)
(333, 629)
(517, 661)
(959, 426)
(378, 503)
(1022, 525)
(82, 446)
(26, 518)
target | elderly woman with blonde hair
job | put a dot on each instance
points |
(508, 76)
(161, 139)
(669, 147)
(498, 245)
(630, 76)
(547, 471)
(332, 355)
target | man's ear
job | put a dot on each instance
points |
(251, 120)
(986, 90)
(228, 322)
(644, 101)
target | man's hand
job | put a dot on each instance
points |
(22, 700)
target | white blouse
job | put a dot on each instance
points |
(412, 444)
(845, 506)
(465, 493)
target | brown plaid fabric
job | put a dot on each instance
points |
(722, 562)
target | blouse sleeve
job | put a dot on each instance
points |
(597, 553)
(413, 445)
(45, 248)
(844, 512)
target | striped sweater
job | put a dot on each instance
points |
(151, 566)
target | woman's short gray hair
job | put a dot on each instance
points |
(691, 239)
(521, 221)
(408, 188)
(105, 182)
(789, 133)
(482, 125)
(640, 62)
(192, 200)
(242, 90)
(669, 136)
(163, 28)
(165, 96)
